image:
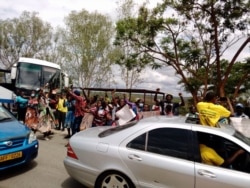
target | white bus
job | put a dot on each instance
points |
(29, 74)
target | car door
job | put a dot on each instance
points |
(217, 177)
(208, 176)
(162, 157)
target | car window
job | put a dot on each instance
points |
(169, 141)
(226, 149)
(139, 142)
(166, 141)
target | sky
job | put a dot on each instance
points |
(54, 11)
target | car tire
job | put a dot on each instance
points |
(113, 179)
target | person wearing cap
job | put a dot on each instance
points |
(167, 106)
(210, 112)
(239, 111)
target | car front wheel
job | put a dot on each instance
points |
(113, 179)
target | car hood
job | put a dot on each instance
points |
(12, 129)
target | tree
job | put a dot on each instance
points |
(130, 71)
(220, 25)
(238, 82)
(189, 36)
(240, 76)
(85, 46)
(26, 36)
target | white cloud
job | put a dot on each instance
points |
(54, 11)
(229, 54)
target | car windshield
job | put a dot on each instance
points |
(243, 138)
(4, 114)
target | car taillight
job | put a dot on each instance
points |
(70, 152)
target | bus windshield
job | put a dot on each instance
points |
(33, 76)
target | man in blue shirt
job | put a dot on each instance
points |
(22, 104)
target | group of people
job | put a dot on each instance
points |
(167, 106)
(211, 112)
(75, 112)
(42, 111)
(104, 110)
(35, 111)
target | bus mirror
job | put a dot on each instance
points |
(66, 81)
(13, 72)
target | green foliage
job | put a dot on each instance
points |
(26, 36)
(189, 36)
(85, 45)
(240, 70)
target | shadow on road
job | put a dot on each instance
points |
(16, 171)
(71, 183)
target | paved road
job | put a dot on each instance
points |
(46, 171)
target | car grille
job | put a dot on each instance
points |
(15, 143)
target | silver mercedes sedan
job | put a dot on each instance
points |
(159, 152)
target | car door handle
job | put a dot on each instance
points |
(134, 157)
(206, 173)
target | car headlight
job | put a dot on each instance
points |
(32, 137)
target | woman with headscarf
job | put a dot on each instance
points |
(32, 115)
(46, 116)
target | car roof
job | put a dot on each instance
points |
(163, 121)
(180, 121)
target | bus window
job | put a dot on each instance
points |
(28, 76)
(55, 80)
(48, 73)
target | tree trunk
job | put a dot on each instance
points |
(229, 68)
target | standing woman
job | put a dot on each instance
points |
(101, 114)
(32, 115)
(69, 120)
(61, 111)
(53, 105)
(89, 111)
(46, 117)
